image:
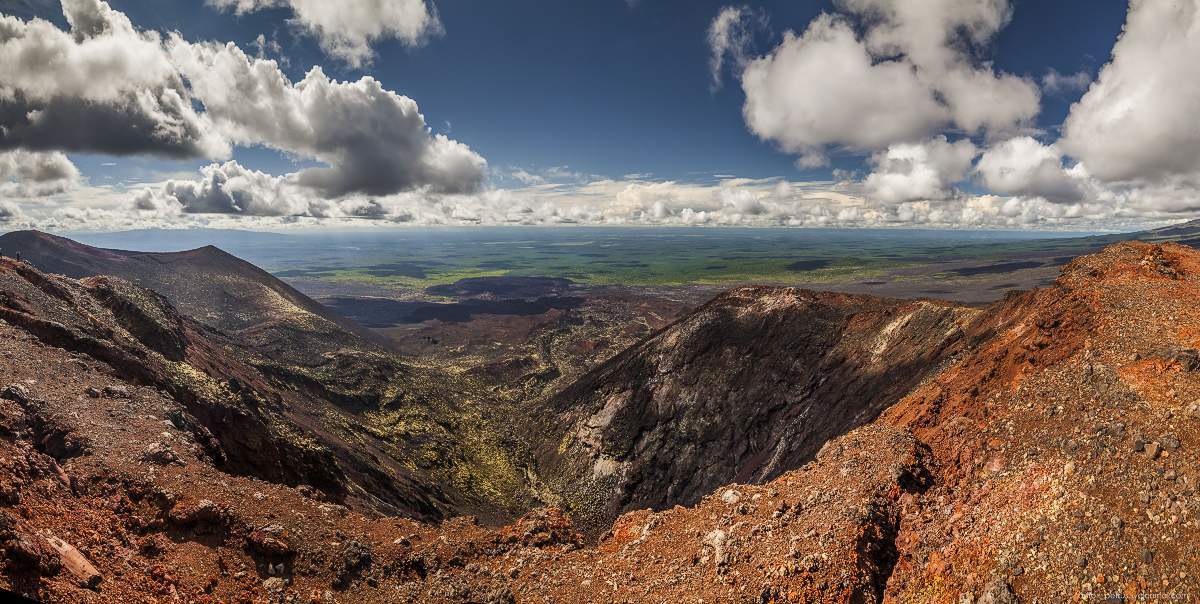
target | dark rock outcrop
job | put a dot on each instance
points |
(747, 387)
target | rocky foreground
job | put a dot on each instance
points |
(1050, 453)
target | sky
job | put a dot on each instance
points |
(267, 114)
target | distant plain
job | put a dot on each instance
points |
(406, 262)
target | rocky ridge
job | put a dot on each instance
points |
(1053, 460)
(332, 426)
(748, 386)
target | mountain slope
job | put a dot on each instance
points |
(748, 386)
(359, 424)
(210, 286)
(250, 424)
(1042, 449)
(1068, 442)
(1054, 460)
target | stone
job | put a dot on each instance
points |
(175, 418)
(1188, 358)
(116, 392)
(75, 562)
(15, 392)
(161, 454)
(203, 516)
(270, 540)
(32, 551)
(998, 592)
(1169, 442)
(500, 595)
(1152, 450)
(354, 560)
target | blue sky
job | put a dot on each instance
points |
(947, 113)
(606, 87)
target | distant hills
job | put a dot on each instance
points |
(207, 284)
(175, 240)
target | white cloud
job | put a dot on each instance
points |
(231, 188)
(921, 171)
(270, 49)
(909, 75)
(730, 34)
(346, 29)
(728, 202)
(982, 101)
(106, 87)
(1138, 121)
(32, 174)
(939, 38)
(1054, 82)
(526, 177)
(374, 140)
(9, 212)
(824, 88)
(883, 77)
(102, 87)
(1024, 166)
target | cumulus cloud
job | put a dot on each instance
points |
(374, 140)
(919, 171)
(940, 38)
(880, 77)
(730, 35)
(346, 29)
(106, 87)
(1138, 120)
(231, 188)
(102, 87)
(1057, 83)
(824, 88)
(31, 174)
(911, 72)
(626, 201)
(1024, 166)
(9, 212)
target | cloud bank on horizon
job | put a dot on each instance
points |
(945, 138)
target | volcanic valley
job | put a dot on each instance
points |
(187, 427)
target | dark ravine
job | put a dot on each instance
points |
(747, 387)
